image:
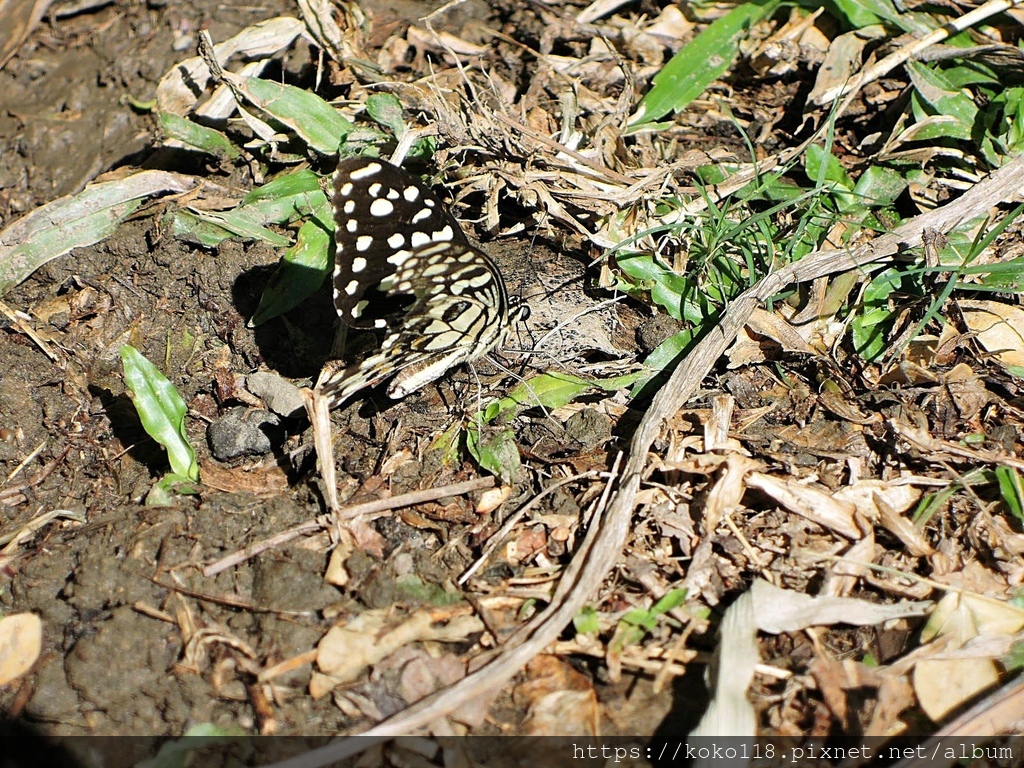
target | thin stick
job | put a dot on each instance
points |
(349, 513)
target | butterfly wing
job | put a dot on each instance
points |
(402, 264)
(381, 216)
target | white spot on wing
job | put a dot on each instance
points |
(381, 208)
(374, 189)
(443, 234)
(411, 194)
(363, 242)
(358, 264)
(417, 239)
(351, 225)
(397, 240)
(346, 189)
(352, 287)
(423, 213)
(371, 169)
(350, 206)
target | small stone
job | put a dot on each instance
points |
(281, 396)
(244, 432)
(588, 427)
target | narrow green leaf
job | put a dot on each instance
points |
(871, 325)
(1011, 491)
(243, 223)
(186, 226)
(195, 136)
(699, 63)
(286, 198)
(161, 410)
(300, 274)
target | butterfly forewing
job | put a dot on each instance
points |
(403, 264)
(381, 216)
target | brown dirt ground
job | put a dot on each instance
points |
(107, 666)
(114, 661)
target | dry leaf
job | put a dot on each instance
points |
(943, 684)
(21, 640)
(346, 651)
(999, 328)
(810, 502)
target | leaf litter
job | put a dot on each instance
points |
(837, 476)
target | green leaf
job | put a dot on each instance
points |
(866, 13)
(195, 136)
(677, 294)
(387, 110)
(879, 186)
(243, 223)
(288, 197)
(699, 63)
(161, 410)
(587, 622)
(312, 119)
(300, 274)
(826, 167)
(1011, 491)
(496, 452)
(949, 111)
(188, 227)
(666, 355)
(553, 390)
(870, 327)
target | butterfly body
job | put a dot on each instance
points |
(403, 265)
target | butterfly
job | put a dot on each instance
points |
(402, 265)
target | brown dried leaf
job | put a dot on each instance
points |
(21, 641)
(999, 328)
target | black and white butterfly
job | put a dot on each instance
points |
(403, 265)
